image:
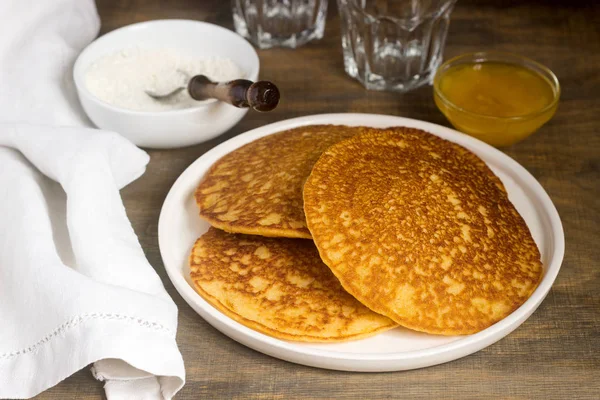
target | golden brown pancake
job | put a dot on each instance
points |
(257, 189)
(419, 229)
(279, 287)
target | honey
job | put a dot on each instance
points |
(498, 102)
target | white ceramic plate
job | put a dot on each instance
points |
(399, 349)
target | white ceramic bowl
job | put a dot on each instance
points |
(176, 128)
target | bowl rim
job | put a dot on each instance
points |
(494, 55)
(82, 88)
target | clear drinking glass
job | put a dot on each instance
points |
(394, 44)
(285, 23)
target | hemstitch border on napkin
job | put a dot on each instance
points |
(77, 320)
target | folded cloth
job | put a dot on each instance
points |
(75, 286)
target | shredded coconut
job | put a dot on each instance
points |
(121, 78)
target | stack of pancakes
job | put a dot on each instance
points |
(407, 229)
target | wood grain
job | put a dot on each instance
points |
(555, 354)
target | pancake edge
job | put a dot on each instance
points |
(266, 232)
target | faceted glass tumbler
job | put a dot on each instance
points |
(279, 23)
(394, 45)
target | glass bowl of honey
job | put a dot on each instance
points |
(500, 98)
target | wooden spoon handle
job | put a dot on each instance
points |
(241, 93)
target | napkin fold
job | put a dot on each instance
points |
(75, 286)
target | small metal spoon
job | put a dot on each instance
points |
(241, 93)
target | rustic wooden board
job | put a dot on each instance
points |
(555, 354)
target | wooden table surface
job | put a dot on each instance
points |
(553, 355)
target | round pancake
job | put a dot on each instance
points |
(279, 287)
(419, 229)
(257, 189)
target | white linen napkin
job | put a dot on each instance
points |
(75, 286)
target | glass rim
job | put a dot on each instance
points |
(499, 56)
(447, 4)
